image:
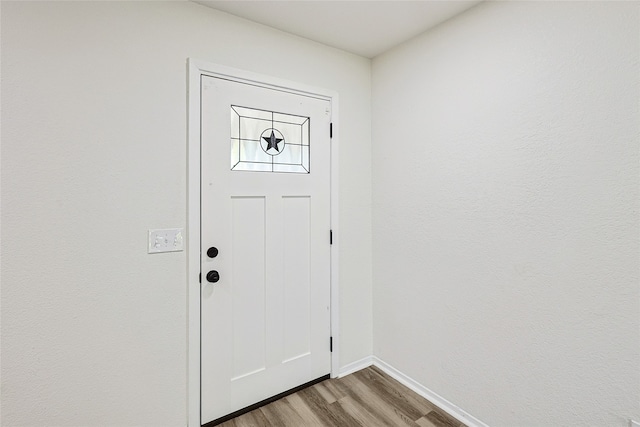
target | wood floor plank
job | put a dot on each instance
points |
(329, 396)
(376, 404)
(399, 394)
(362, 397)
(359, 413)
(254, 418)
(281, 413)
(409, 394)
(330, 415)
(367, 398)
(336, 388)
(342, 417)
(424, 422)
(301, 407)
(388, 392)
(440, 419)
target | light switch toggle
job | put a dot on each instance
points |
(166, 240)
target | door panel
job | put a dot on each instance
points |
(265, 200)
(248, 243)
(296, 242)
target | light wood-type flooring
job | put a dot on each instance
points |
(368, 398)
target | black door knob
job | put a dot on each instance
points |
(213, 276)
(212, 252)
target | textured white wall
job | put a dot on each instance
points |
(93, 155)
(506, 172)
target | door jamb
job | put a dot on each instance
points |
(196, 69)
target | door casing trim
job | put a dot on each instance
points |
(195, 69)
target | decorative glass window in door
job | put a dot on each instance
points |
(267, 141)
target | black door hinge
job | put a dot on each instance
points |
(331, 344)
(200, 277)
(330, 130)
(331, 237)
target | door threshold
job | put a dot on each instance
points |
(265, 402)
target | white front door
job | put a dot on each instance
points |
(265, 200)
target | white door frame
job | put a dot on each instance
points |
(196, 69)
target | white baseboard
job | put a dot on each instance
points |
(355, 366)
(442, 403)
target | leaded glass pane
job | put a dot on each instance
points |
(268, 141)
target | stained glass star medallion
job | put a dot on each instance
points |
(269, 141)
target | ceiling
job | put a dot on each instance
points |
(366, 28)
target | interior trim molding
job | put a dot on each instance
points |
(442, 403)
(352, 367)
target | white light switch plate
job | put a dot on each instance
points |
(166, 240)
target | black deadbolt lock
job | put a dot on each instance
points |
(212, 252)
(213, 276)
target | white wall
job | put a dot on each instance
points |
(94, 330)
(506, 172)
